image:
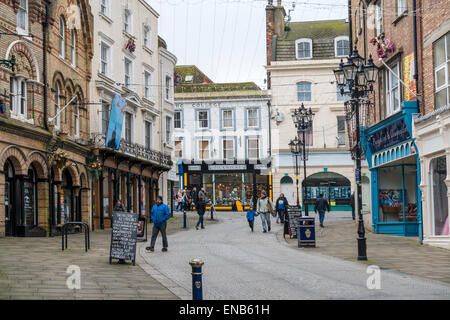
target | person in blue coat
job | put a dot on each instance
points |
(251, 214)
(160, 214)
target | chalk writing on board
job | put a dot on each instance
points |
(123, 236)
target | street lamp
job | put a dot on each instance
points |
(359, 79)
(295, 146)
(303, 119)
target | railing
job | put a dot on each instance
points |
(133, 149)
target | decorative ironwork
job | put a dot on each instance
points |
(9, 63)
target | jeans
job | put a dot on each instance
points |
(353, 213)
(321, 216)
(180, 206)
(265, 218)
(155, 232)
(200, 220)
(251, 223)
(282, 214)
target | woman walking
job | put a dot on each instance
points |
(265, 208)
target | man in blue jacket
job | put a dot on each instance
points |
(160, 214)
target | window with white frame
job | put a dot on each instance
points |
(252, 118)
(77, 116)
(73, 46)
(253, 148)
(147, 84)
(362, 12)
(105, 117)
(228, 148)
(441, 57)
(341, 46)
(168, 130)
(62, 30)
(177, 120)
(148, 135)
(57, 106)
(22, 16)
(128, 72)
(203, 119)
(378, 18)
(168, 87)
(203, 149)
(105, 7)
(227, 119)
(392, 89)
(128, 127)
(341, 131)
(147, 36)
(127, 21)
(105, 57)
(179, 149)
(401, 7)
(303, 48)
(304, 91)
(18, 96)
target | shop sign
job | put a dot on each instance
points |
(195, 168)
(389, 136)
(260, 167)
(226, 167)
(408, 67)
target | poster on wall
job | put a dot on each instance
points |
(115, 122)
(408, 67)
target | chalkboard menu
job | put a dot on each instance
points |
(123, 236)
(294, 215)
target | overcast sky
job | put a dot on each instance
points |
(226, 38)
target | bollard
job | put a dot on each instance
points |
(212, 212)
(184, 220)
(197, 284)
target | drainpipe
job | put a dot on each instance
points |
(45, 45)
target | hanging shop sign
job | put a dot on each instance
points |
(408, 67)
(389, 136)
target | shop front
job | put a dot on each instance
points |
(232, 187)
(395, 174)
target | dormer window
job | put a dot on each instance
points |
(341, 46)
(303, 48)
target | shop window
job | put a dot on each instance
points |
(441, 51)
(439, 197)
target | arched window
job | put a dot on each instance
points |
(73, 46)
(57, 106)
(62, 29)
(303, 48)
(304, 91)
(341, 46)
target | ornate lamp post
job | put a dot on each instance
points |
(303, 119)
(296, 146)
(359, 79)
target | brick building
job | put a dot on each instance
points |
(43, 143)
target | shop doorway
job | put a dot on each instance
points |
(335, 188)
(67, 197)
(287, 188)
(10, 216)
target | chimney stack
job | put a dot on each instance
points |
(275, 16)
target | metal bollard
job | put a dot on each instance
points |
(212, 212)
(184, 220)
(197, 284)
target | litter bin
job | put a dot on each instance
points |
(307, 232)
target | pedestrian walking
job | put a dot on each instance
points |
(160, 214)
(201, 207)
(281, 206)
(179, 199)
(194, 196)
(352, 204)
(321, 206)
(265, 208)
(251, 214)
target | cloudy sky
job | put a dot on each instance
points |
(226, 38)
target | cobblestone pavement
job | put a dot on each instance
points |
(244, 265)
(35, 268)
(338, 239)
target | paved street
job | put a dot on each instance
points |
(244, 265)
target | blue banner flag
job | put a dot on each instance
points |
(115, 122)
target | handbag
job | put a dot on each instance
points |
(269, 206)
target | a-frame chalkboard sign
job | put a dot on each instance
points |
(124, 236)
(294, 214)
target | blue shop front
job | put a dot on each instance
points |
(395, 174)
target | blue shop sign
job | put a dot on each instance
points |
(389, 136)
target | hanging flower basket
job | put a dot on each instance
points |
(95, 168)
(61, 159)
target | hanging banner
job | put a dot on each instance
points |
(408, 67)
(116, 122)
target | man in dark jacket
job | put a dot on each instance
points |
(201, 207)
(352, 204)
(194, 196)
(160, 214)
(321, 206)
(281, 206)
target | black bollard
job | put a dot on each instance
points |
(197, 284)
(184, 220)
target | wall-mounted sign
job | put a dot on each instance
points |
(389, 136)
(195, 168)
(226, 167)
(261, 167)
